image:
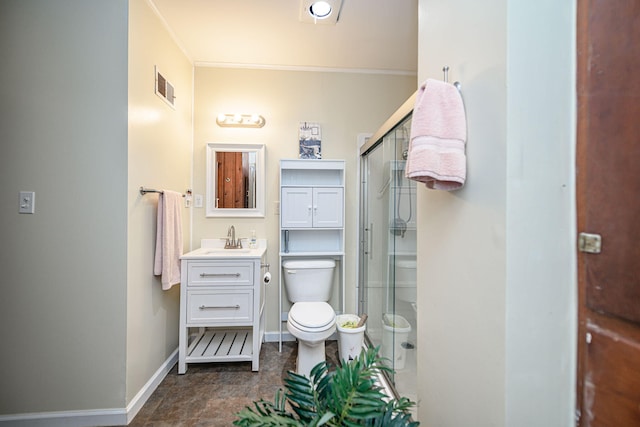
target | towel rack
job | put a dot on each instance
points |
(445, 70)
(144, 191)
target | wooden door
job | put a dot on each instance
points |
(608, 201)
(231, 187)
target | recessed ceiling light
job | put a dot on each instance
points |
(320, 12)
(320, 9)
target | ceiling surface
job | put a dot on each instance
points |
(370, 35)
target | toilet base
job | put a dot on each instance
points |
(309, 355)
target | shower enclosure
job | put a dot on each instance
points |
(387, 264)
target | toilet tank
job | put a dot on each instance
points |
(405, 280)
(308, 280)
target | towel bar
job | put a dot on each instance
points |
(144, 191)
(445, 70)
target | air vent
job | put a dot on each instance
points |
(164, 89)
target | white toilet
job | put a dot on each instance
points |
(405, 275)
(311, 319)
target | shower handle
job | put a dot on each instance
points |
(369, 243)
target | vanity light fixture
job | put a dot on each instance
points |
(240, 120)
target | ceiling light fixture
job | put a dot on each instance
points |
(320, 12)
(240, 120)
(320, 9)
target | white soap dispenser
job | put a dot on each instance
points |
(253, 242)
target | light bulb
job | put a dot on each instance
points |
(320, 9)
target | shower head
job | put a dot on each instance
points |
(398, 227)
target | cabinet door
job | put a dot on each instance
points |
(328, 207)
(296, 207)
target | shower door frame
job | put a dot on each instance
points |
(364, 235)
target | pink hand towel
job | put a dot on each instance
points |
(168, 239)
(438, 134)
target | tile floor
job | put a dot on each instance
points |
(211, 394)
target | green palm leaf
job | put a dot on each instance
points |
(348, 396)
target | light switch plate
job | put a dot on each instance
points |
(27, 202)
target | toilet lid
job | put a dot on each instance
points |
(312, 315)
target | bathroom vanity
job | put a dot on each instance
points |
(221, 304)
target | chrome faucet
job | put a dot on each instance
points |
(232, 243)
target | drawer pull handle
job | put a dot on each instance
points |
(219, 274)
(208, 307)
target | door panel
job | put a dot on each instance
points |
(327, 207)
(608, 202)
(612, 383)
(231, 189)
(296, 207)
(613, 209)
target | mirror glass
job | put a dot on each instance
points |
(235, 179)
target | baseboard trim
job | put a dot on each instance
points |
(98, 417)
(147, 390)
(94, 417)
(286, 336)
(275, 336)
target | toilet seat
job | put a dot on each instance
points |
(312, 316)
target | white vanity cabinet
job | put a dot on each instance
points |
(221, 306)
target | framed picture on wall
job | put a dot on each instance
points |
(310, 138)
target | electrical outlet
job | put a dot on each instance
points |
(27, 202)
(198, 200)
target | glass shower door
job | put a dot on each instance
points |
(388, 256)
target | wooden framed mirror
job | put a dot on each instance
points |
(235, 180)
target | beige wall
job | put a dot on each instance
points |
(88, 324)
(496, 264)
(541, 305)
(461, 235)
(64, 268)
(159, 156)
(345, 105)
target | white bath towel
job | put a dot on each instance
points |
(438, 135)
(168, 239)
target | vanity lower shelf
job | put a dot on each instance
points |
(221, 345)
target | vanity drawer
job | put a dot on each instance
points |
(220, 272)
(222, 306)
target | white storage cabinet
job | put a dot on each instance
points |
(312, 207)
(312, 195)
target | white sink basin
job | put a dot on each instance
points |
(209, 253)
(216, 251)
